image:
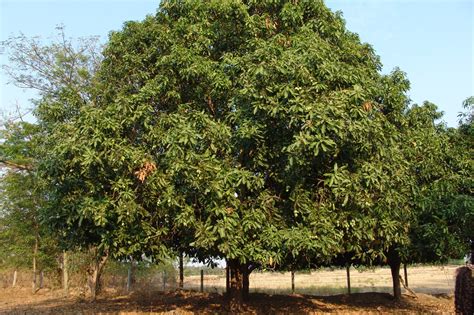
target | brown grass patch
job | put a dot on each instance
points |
(21, 301)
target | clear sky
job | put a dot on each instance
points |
(431, 40)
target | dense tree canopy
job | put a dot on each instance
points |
(262, 132)
(442, 169)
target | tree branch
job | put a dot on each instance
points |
(13, 165)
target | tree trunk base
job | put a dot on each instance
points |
(394, 262)
(94, 275)
(464, 290)
(239, 285)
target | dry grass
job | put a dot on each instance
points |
(310, 298)
(422, 279)
(21, 301)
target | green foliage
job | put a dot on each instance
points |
(441, 165)
(16, 222)
(256, 131)
(21, 200)
(61, 73)
(17, 150)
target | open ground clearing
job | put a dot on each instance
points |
(21, 301)
(271, 294)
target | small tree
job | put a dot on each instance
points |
(23, 239)
(61, 72)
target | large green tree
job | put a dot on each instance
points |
(260, 131)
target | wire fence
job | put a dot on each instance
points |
(321, 282)
(422, 279)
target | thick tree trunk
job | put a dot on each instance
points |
(464, 290)
(94, 273)
(245, 282)
(65, 274)
(236, 289)
(394, 262)
(181, 270)
(239, 284)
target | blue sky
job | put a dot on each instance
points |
(431, 40)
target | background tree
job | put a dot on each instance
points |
(443, 169)
(23, 239)
(439, 190)
(61, 72)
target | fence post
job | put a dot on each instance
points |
(129, 276)
(202, 280)
(15, 273)
(227, 279)
(348, 273)
(164, 280)
(181, 270)
(65, 273)
(41, 279)
(292, 282)
(406, 274)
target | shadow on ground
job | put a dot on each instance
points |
(188, 302)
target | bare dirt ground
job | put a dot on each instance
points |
(271, 294)
(21, 301)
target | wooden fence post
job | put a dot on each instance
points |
(227, 279)
(164, 280)
(292, 282)
(129, 275)
(202, 280)
(15, 274)
(41, 276)
(348, 274)
(406, 274)
(181, 270)
(65, 273)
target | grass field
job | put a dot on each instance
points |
(423, 279)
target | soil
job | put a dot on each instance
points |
(22, 301)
